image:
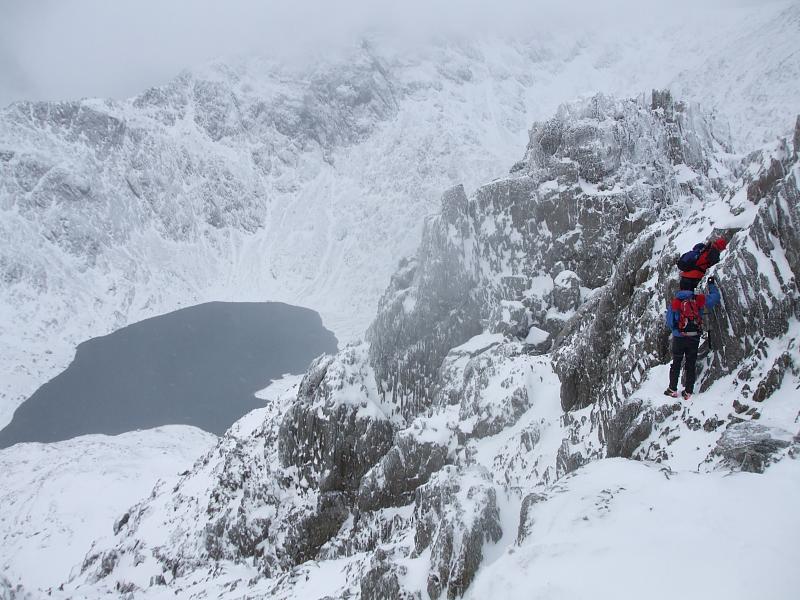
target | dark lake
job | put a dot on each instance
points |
(196, 366)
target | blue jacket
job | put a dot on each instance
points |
(705, 301)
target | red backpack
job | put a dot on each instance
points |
(690, 318)
(702, 260)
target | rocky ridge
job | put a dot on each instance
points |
(522, 341)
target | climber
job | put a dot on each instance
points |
(685, 318)
(697, 261)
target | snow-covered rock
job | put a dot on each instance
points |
(456, 514)
(750, 447)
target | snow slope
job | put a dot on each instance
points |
(58, 498)
(623, 529)
(307, 184)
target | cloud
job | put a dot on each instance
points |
(60, 49)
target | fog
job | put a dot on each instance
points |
(64, 49)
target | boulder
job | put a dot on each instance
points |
(750, 446)
(566, 291)
(382, 579)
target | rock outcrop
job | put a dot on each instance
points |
(750, 447)
(517, 254)
(431, 305)
(409, 464)
(456, 514)
(335, 431)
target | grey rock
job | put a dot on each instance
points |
(750, 446)
(766, 179)
(566, 291)
(430, 307)
(456, 513)
(712, 424)
(760, 294)
(409, 464)
(774, 377)
(307, 534)
(568, 459)
(586, 357)
(526, 516)
(332, 444)
(632, 424)
(511, 319)
(382, 580)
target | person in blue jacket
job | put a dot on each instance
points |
(685, 318)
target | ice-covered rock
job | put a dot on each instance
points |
(9, 591)
(336, 429)
(750, 446)
(429, 307)
(456, 515)
(413, 458)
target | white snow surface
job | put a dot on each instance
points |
(624, 529)
(58, 498)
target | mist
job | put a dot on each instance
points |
(67, 49)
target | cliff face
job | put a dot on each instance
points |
(524, 340)
(526, 251)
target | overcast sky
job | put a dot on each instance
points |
(63, 49)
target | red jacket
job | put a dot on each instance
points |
(707, 259)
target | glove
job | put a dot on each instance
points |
(711, 281)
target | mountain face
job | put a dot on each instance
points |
(307, 184)
(503, 416)
(523, 341)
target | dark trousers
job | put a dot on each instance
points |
(684, 347)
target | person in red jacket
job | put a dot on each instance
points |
(684, 318)
(706, 257)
